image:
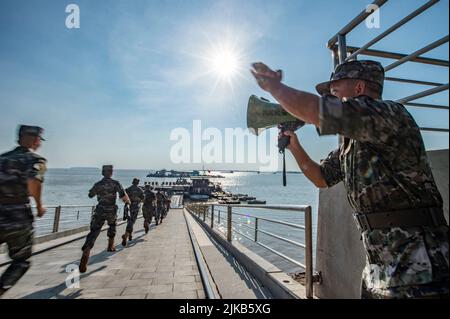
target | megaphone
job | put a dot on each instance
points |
(261, 115)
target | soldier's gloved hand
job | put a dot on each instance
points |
(41, 210)
(294, 143)
(267, 79)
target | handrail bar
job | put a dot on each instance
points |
(354, 23)
(405, 20)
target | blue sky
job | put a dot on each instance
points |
(112, 91)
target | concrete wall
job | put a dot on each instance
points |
(439, 165)
(339, 253)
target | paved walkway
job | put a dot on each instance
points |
(160, 264)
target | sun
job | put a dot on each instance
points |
(225, 63)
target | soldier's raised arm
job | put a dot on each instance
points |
(362, 118)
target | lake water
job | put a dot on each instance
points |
(70, 187)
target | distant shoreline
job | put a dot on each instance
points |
(150, 170)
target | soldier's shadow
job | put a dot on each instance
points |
(55, 292)
(135, 240)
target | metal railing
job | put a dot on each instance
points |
(342, 52)
(206, 211)
(63, 217)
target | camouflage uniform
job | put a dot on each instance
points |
(383, 165)
(148, 208)
(136, 195)
(106, 209)
(159, 213)
(167, 206)
(16, 218)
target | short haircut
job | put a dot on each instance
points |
(374, 88)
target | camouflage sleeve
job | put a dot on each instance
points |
(120, 190)
(331, 168)
(93, 191)
(38, 169)
(363, 118)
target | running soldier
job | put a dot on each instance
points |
(160, 206)
(106, 191)
(21, 175)
(136, 195)
(148, 208)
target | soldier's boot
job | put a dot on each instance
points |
(146, 227)
(111, 246)
(84, 260)
(124, 238)
(130, 237)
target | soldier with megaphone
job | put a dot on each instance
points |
(384, 168)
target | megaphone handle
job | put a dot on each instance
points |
(284, 168)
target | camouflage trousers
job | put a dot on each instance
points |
(148, 211)
(101, 214)
(19, 242)
(159, 213)
(134, 211)
(438, 290)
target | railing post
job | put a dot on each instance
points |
(342, 48)
(256, 229)
(218, 218)
(308, 253)
(212, 216)
(204, 213)
(56, 219)
(229, 212)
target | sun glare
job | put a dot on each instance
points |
(225, 64)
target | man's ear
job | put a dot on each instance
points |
(360, 87)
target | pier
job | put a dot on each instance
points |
(177, 259)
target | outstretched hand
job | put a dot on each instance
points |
(267, 79)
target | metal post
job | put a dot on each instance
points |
(335, 57)
(256, 229)
(56, 219)
(342, 55)
(204, 213)
(308, 253)
(229, 212)
(212, 216)
(342, 47)
(218, 218)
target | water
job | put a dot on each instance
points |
(70, 187)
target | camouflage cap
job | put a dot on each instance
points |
(31, 130)
(367, 70)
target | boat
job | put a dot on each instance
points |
(246, 198)
(199, 197)
(256, 202)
